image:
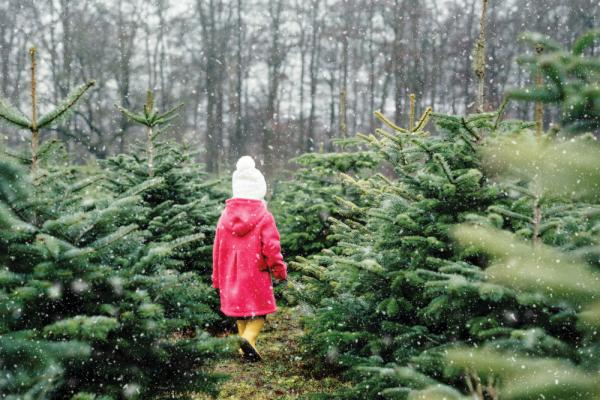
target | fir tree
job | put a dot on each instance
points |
(570, 79)
(304, 204)
(395, 293)
(78, 309)
(16, 118)
(92, 304)
(181, 202)
(559, 269)
(154, 122)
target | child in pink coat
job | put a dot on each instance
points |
(245, 251)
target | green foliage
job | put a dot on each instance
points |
(395, 293)
(150, 117)
(90, 302)
(13, 116)
(180, 197)
(16, 118)
(64, 107)
(182, 206)
(305, 205)
(35, 368)
(549, 259)
(565, 274)
(570, 80)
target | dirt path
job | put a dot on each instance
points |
(282, 375)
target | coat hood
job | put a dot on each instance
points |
(242, 215)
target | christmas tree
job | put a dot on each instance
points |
(566, 78)
(556, 268)
(14, 117)
(78, 311)
(181, 202)
(92, 301)
(395, 293)
(304, 205)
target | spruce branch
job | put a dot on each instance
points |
(500, 112)
(15, 117)
(389, 123)
(445, 167)
(113, 237)
(84, 183)
(12, 115)
(423, 147)
(65, 106)
(423, 120)
(144, 186)
(153, 121)
(397, 139)
(538, 39)
(467, 139)
(585, 41)
(510, 214)
(169, 115)
(140, 119)
(469, 130)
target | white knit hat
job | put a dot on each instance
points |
(247, 182)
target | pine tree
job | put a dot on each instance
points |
(76, 293)
(154, 122)
(570, 79)
(395, 292)
(559, 269)
(304, 204)
(92, 301)
(16, 118)
(182, 203)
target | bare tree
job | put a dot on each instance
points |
(315, 51)
(236, 63)
(215, 30)
(274, 64)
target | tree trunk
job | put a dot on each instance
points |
(274, 65)
(371, 52)
(313, 70)
(343, 131)
(237, 143)
(302, 73)
(398, 59)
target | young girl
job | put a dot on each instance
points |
(246, 249)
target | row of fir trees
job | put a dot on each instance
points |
(447, 261)
(465, 265)
(104, 269)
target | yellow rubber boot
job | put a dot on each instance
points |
(241, 325)
(251, 332)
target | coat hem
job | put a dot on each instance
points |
(249, 313)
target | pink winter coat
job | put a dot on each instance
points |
(246, 248)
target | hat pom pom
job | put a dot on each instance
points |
(246, 162)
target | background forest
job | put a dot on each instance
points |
(274, 78)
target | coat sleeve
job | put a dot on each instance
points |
(271, 248)
(215, 256)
